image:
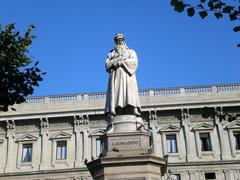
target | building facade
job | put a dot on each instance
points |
(196, 128)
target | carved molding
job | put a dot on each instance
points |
(226, 116)
(81, 120)
(44, 122)
(169, 128)
(26, 137)
(10, 124)
(152, 115)
(185, 113)
(61, 135)
(203, 126)
(234, 125)
(97, 132)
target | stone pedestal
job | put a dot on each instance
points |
(127, 168)
(126, 153)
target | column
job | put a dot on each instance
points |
(10, 145)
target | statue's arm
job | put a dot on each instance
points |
(112, 63)
(130, 64)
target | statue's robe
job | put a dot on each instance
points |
(122, 84)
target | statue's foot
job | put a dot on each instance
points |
(136, 112)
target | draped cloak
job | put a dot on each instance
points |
(122, 83)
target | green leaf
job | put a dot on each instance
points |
(236, 29)
(36, 63)
(201, 6)
(227, 9)
(180, 7)
(233, 17)
(218, 15)
(203, 14)
(191, 11)
(211, 5)
(174, 2)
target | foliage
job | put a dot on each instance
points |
(216, 7)
(17, 78)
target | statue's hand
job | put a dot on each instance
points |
(115, 63)
(120, 63)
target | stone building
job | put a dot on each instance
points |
(196, 128)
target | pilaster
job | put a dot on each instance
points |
(217, 114)
(44, 143)
(81, 139)
(185, 125)
(10, 145)
(156, 139)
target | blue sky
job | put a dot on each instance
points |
(74, 37)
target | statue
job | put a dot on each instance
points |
(122, 94)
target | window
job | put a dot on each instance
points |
(177, 176)
(171, 144)
(98, 147)
(27, 153)
(61, 150)
(209, 176)
(205, 142)
(237, 140)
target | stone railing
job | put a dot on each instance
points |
(229, 88)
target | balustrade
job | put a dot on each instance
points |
(143, 92)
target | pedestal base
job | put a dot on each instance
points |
(126, 153)
(127, 168)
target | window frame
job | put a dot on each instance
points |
(233, 128)
(204, 128)
(31, 158)
(175, 143)
(167, 131)
(237, 140)
(27, 139)
(62, 156)
(209, 146)
(210, 173)
(57, 137)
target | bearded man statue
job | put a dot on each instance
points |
(122, 94)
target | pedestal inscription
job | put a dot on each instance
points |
(126, 143)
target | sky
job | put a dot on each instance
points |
(75, 36)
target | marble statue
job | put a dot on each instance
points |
(122, 94)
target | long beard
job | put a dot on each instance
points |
(121, 48)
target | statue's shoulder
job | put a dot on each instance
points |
(111, 51)
(131, 51)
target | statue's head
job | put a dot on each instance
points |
(119, 38)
